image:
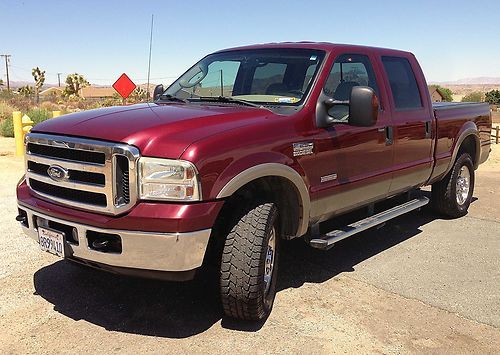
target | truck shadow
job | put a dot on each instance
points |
(300, 264)
(179, 310)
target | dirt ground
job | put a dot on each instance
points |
(420, 284)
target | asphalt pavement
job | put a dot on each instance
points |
(419, 284)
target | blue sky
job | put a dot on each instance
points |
(102, 39)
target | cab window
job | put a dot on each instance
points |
(403, 83)
(348, 71)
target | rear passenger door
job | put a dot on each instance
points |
(412, 122)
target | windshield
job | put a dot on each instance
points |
(264, 76)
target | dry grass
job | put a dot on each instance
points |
(6, 110)
(467, 89)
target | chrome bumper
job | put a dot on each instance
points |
(140, 250)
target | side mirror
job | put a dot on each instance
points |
(158, 91)
(363, 107)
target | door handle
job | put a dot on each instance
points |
(389, 136)
(428, 129)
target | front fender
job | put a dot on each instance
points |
(257, 166)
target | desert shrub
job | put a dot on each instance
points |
(50, 106)
(38, 115)
(20, 102)
(475, 96)
(110, 102)
(6, 111)
(7, 128)
(6, 95)
(493, 97)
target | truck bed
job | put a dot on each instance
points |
(460, 113)
(452, 119)
(482, 106)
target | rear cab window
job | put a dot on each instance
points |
(404, 87)
(268, 76)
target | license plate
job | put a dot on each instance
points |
(51, 241)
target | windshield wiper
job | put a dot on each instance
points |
(168, 97)
(226, 99)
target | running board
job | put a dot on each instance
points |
(329, 239)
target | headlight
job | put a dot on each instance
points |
(165, 179)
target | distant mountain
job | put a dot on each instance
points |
(483, 80)
(18, 84)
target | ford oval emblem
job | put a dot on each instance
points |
(57, 173)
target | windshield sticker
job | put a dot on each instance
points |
(313, 57)
(286, 100)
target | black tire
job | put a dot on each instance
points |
(243, 265)
(444, 192)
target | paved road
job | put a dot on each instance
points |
(419, 284)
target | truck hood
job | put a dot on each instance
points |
(159, 130)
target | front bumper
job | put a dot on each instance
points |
(158, 217)
(169, 252)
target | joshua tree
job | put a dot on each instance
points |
(26, 90)
(139, 94)
(39, 77)
(75, 82)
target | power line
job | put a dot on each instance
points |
(7, 56)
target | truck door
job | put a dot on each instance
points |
(412, 120)
(353, 165)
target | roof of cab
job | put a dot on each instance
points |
(326, 46)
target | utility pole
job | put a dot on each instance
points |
(59, 79)
(7, 56)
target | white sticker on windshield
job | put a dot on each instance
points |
(285, 100)
(313, 57)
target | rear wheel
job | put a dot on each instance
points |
(249, 263)
(452, 195)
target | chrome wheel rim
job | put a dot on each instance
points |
(463, 185)
(269, 262)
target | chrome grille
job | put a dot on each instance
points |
(93, 175)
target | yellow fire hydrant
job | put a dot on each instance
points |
(22, 125)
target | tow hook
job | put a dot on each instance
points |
(101, 245)
(21, 218)
(104, 242)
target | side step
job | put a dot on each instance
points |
(329, 239)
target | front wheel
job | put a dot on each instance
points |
(250, 263)
(452, 196)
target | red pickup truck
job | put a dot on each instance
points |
(250, 147)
